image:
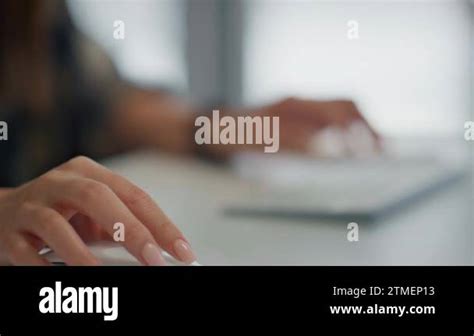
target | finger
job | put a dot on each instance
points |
(330, 113)
(98, 202)
(358, 116)
(88, 230)
(34, 241)
(59, 235)
(303, 112)
(22, 253)
(359, 141)
(339, 113)
(356, 133)
(168, 236)
(330, 143)
(297, 138)
(321, 114)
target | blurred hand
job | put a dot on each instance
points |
(81, 201)
(323, 128)
(301, 120)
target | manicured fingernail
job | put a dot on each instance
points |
(184, 252)
(152, 255)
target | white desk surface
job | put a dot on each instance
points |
(436, 231)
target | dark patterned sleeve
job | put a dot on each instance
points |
(97, 88)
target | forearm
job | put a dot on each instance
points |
(154, 119)
(160, 120)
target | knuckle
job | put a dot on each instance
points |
(136, 235)
(81, 159)
(29, 209)
(35, 188)
(47, 178)
(91, 190)
(78, 162)
(137, 195)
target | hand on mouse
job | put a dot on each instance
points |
(81, 201)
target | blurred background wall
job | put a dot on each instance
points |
(152, 52)
(410, 69)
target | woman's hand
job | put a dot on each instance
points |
(309, 126)
(301, 120)
(81, 201)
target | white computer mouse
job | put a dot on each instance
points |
(112, 254)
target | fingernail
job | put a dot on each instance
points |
(184, 252)
(152, 255)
